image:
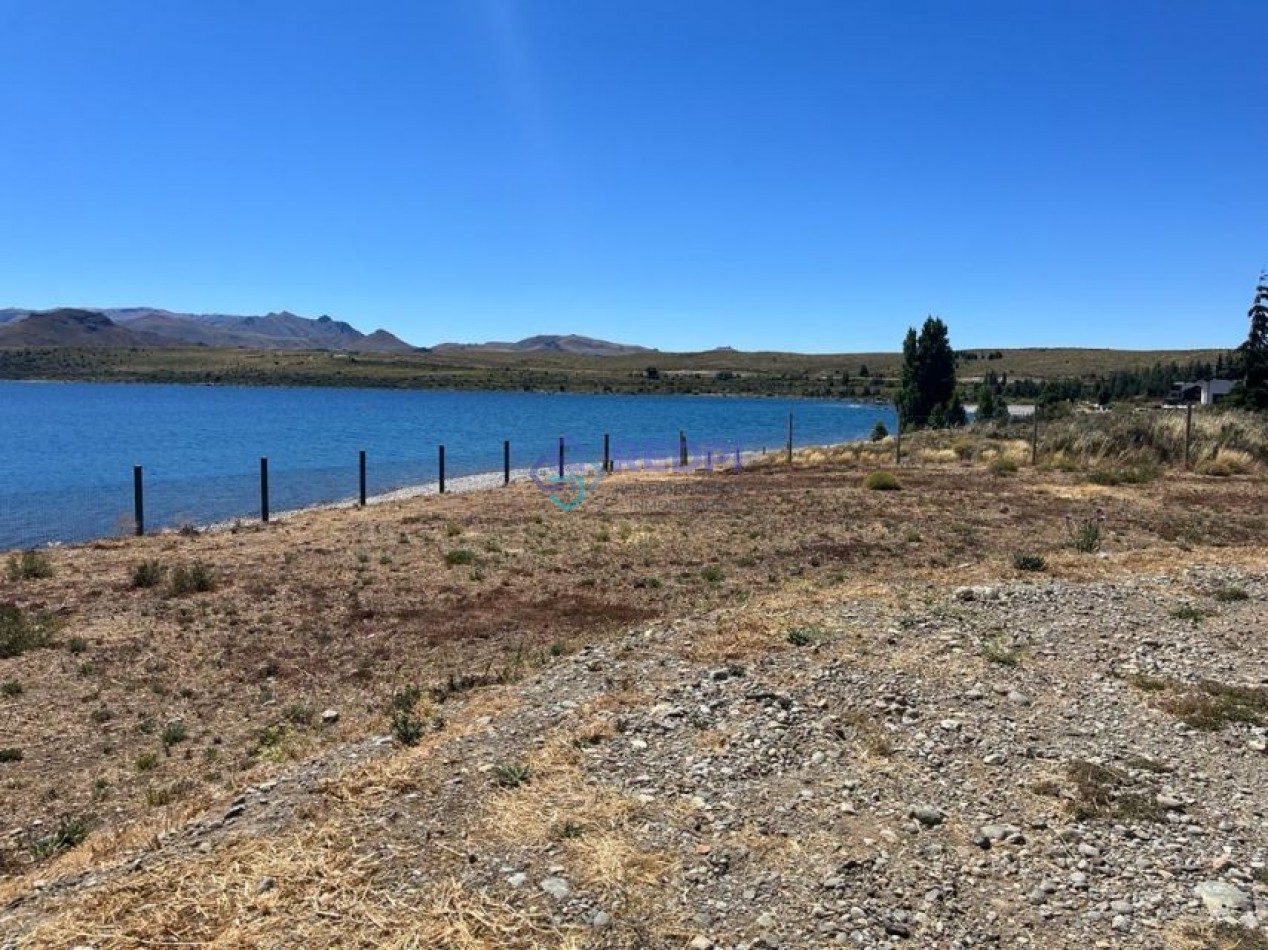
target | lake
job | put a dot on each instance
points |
(69, 448)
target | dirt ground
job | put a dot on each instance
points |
(149, 707)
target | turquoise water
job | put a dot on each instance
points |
(69, 448)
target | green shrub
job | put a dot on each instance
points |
(879, 432)
(712, 574)
(11, 688)
(76, 645)
(194, 578)
(460, 556)
(29, 565)
(800, 637)
(1229, 595)
(1002, 465)
(1029, 562)
(69, 833)
(511, 774)
(147, 574)
(10, 755)
(1140, 474)
(1085, 533)
(146, 761)
(20, 632)
(881, 481)
(173, 733)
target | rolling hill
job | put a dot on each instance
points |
(272, 331)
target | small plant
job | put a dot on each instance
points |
(76, 645)
(1029, 562)
(29, 565)
(881, 481)
(1126, 475)
(101, 715)
(453, 530)
(10, 755)
(511, 774)
(712, 574)
(1002, 465)
(879, 432)
(194, 578)
(603, 535)
(407, 726)
(1104, 792)
(1085, 533)
(569, 829)
(173, 733)
(1210, 705)
(297, 714)
(1001, 652)
(147, 574)
(1147, 683)
(800, 637)
(146, 761)
(20, 632)
(11, 688)
(1189, 612)
(460, 556)
(69, 833)
(1230, 595)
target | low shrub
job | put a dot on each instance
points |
(20, 632)
(881, 481)
(460, 556)
(147, 574)
(1029, 562)
(1002, 465)
(29, 565)
(194, 578)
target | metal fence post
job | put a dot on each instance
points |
(506, 462)
(361, 466)
(264, 489)
(1034, 436)
(561, 456)
(790, 437)
(607, 455)
(682, 448)
(138, 500)
(442, 469)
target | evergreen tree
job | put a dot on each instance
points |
(926, 388)
(1252, 391)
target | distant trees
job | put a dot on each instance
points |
(1252, 392)
(990, 407)
(926, 388)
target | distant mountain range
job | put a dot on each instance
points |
(583, 345)
(151, 327)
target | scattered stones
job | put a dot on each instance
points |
(1223, 900)
(556, 887)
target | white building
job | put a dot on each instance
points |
(1207, 392)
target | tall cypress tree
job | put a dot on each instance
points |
(926, 388)
(1252, 392)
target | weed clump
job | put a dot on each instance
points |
(29, 565)
(194, 578)
(511, 774)
(69, 833)
(11, 755)
(1029, 562)
(459, 556)
(1230, 595)
(881, 481)
(1209, 705)
(1104, 792)
(20, 632)
(1085, 533)
(147, 574)
(712, 574)
(1002, 465)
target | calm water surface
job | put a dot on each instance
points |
(69, 448)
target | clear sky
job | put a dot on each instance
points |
(806, 175)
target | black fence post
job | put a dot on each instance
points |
(682, 448)
(790, 437)
(607, 456)
(442, 469)
(561, 456)
(138, 500)
(361, 466)
(264, 490)
(1034, 436)
(506, 462)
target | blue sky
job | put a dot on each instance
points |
(680, 173)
